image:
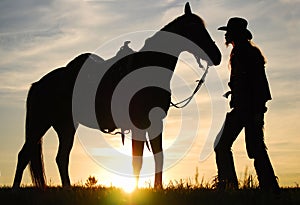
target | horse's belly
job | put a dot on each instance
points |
(147, 105)
(138, 111)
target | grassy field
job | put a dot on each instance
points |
(168, 196)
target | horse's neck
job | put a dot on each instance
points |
(163, 42)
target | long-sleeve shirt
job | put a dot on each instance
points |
(248, 81)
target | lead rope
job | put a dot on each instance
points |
(188, 100)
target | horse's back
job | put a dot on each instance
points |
(61, 80)
(53, 92)
(85, 59)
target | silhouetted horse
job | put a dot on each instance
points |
(50, 101)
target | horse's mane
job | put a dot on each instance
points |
(173, 26)
(182, 19)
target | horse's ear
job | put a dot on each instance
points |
(187, 9)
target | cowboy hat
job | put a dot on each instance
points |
(237, 25)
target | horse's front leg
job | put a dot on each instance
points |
(138, 140)
(156, 146)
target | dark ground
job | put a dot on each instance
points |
(174, 196)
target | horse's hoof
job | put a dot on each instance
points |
(15, 188)
(67, 188)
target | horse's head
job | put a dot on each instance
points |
(192, 27)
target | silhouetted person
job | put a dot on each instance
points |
(249, 94)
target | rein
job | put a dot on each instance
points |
(186, 101)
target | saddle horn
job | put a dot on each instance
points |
(187, 9)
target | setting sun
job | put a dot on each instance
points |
(128, 188)
(127, 184)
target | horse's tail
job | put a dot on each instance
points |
(36, 164)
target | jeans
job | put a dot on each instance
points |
(253, 123)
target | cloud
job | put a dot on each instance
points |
(27, 39)
(23, 15)
(39, 36)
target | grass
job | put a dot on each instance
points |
(182, 192)
(176, 195)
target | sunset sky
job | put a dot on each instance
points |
(37, 36)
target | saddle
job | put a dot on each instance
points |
(117, 67)
(141, 103)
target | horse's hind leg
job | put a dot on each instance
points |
(35, 129)
(66, 132)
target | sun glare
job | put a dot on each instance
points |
(127, 184)
(128, 187)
